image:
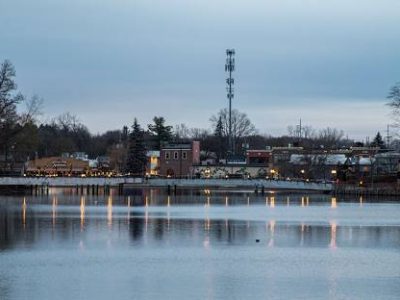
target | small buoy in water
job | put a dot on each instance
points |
(257, 240)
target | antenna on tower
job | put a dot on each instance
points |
(229, 68)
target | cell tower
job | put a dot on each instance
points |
(230, 67)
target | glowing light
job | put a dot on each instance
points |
(82, 212)
(109, 211)
(361, 200)
(333, 202)
(272, 230)
(206, 242)
(332, 243)
(129, 208)
(226, 201)
(207, 224)
(168, 201)
(302, 201)
(272, 202)
(334, 172)
(24, 213)
(54, 210)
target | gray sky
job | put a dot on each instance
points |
(328, 62)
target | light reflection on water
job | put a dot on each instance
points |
(219, 245)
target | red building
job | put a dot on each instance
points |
(177, 160)
(258, 157)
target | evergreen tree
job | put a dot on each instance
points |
(378, 141)
(161, 132)
(219, 135)
(136, 159)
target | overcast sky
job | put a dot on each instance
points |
(328, 62)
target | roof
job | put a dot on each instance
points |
(177, 147)
(388, 155)
(56, 162)
(329, 159)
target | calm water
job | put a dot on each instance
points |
(198, 245)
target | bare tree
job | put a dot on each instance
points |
(181, 132)
(8, 98)
(307, 132)
(394, 102)
(241, 124)
(199, 133)
(330, 137)
(13, 123)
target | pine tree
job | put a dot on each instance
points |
(160, 131)
(378, 141)
(136, 160)
(219, 135)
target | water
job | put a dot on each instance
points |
(198, 245)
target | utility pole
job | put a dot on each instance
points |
(230, 67)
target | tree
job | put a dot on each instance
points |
(13, 123)
(394, 101)
(241, 124)
(378, 141)
(161, 132)
(219, 135)
(330, 137)
(136, 160)
(181, 132)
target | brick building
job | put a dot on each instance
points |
(60, 166)
(177, 160)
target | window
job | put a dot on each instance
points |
(167, 155)
(184, 155)
(176, 155)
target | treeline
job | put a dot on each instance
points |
(23, 137)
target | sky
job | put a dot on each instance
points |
(330, 63)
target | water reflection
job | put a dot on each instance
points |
(332, 243)
(333, 202)
(144, 227)
(159, 220)
(109, 212)
(54, 211)
(82, 209)
(24, 213)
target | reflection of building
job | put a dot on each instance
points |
(153, 162)
(177, 160)
(57, 166)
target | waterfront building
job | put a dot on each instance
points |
(177, 160)
(57, 166)
(153, 163)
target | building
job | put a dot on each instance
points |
(258, 157)
(387, 163)
(153, 163)
(177, 160)
(57, 166)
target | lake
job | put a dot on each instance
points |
(198, 244)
